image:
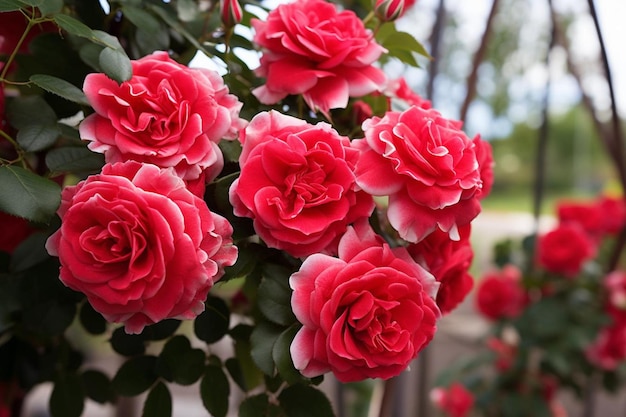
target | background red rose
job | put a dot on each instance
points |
(564, 249)
(140, 245)
(366, 314)
(500, 294)
(449, 262)
(311, 48)
(167, 114)
(426, 165)
(297, 184)
(455, 401)
(14, 231)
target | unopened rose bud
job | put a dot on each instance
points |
(231, 12)
(389, 10)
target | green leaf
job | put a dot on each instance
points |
(30, 252)
(178, 27)
(236, 373)
(255, 406)
(305, 401)
(263, 338)
(91, 320)
(213, 323)
(9, 302)
(135, 376)
(60, 87)
(10, 5)
(251, 373)
(24, 111)
(67, 398)
(74, 159)
(274, 295)
(77, 28)
(158, 403)
(97, 386)
(116, 64)
(127, 344)
(25, 194)
(282, 356)
(48, 7)
(142, 19)
(215, 390)
(37, 137)
(179, 363)
(161, 330)
(48, 318)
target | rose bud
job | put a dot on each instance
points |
(230, 12)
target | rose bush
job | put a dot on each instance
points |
(162, 178)
(556, 306)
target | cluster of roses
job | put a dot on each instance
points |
(562, 259)
(139, 240)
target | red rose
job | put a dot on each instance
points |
(608, 351)
(456, 401)
(426, 165)
(399, 89)
(366, 314)
(614, 214)
(297, 184)
(12, 26)
(603, 216)
(311, 48)
(500, 295)
(140, 245)
(14, 231)
(565, 249)
(449, 262)
(167, 114)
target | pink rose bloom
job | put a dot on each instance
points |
(140, 245)
(449, 262)
(366, 314)
(428, 168)
(608, 351)
(500, 294)
(565, 249)
(167, 114)
(297, 184)
(311, 48)
(399, 89)
(456, 401)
